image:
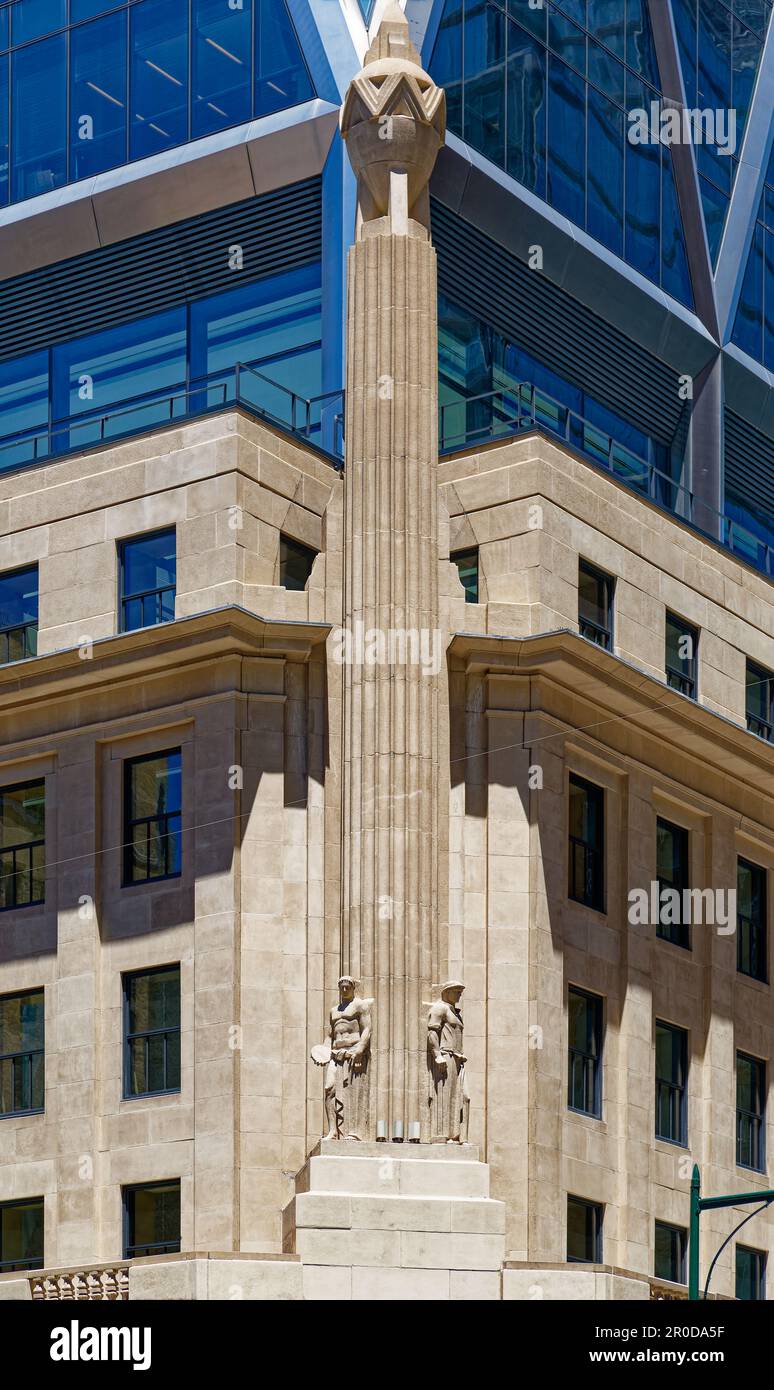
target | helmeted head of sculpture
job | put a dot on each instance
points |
(452, 991)
(347, 987)
(394, 121)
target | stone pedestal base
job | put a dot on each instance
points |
(396, 1221)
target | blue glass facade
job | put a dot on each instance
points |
(720, 44)
(166, 365)
(754, 323)
(87, 85)
(545, 94)
(367, 7)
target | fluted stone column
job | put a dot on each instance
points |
(393, 120)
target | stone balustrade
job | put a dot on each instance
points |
(103, 1283)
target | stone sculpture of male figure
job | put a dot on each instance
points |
(448, 1095)
(346, 1056)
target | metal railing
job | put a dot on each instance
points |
(317, 419)
(520, 407)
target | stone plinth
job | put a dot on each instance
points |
(394, 1221)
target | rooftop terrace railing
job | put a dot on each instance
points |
(520, 407)
(318, 419)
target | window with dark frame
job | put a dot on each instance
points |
(750, 1112)
(152, 1032)
(671, 1084)
(750, 1274)
(681, 662)
(152, 817)
(670, 1249)
(587, 843)
(751, 920)
(22, 845)
(21, 1234)
(18, 614)
(759, 701)
(584, 1231)
(148, 577)
(584, 1027)
(22, 1053)
(152, 1218)
(296, 562)
(672, 872)
(595, 605)
(467, 567)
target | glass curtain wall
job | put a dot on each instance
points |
(87, 85)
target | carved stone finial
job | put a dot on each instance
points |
(394, 122)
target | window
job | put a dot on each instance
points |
(98, 104)
(152, 1032)
(672, 873)
(18, 614)
(750, 1112)
(760, 701)
(467, 564)
(750, 1273)
(587, 844)
(281, 78)
(159, 77)
(22, 1054)
(22, 845)
(152, 818)
(751, 921)
(148, 577)
(21, 1234)
(152, 1219)
(670, 1248)
(584, 1231)
(584, 1015)
(221, 66)
(39, 117)
(671, 1084)
(595, 605)
(296, 562)
(682, 644)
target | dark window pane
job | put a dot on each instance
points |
(5, 186)
(31, 19)
(584, 1231)
(148, 580)
(750, 1112)
(18, 614)
(643, 202)
(153, 833)
(137, 366)
(675, 275)
(759, 695)
(605, 181)
(296, 562)
(485, 80)
(586, 844)
(584, 1040)
(98, 96)
(681, 649)
(467, 566)
(152, 1015)
(748, 326)
(670, 1248)
(152, 1219)
(750, 1273)
(526, 146)
(595, 605)
(21, 1235)
(222, 39)
(39, 118)
(752, 923)
(159, 76)
(566, 141)
(22, 831)
(22, 1045)
(281, 77)
(671, 1083)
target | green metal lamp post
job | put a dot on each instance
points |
(699, 1204)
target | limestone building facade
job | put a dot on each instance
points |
(212, 807)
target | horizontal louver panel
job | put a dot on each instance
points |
(749, 464)
(150, 273)
(484, 279)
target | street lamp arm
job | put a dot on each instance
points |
(736, 1229)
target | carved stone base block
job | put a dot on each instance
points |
(396, 1221)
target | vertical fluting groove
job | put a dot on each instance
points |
(390, 820)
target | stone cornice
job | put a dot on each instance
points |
(620, 692)
(132, 656)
